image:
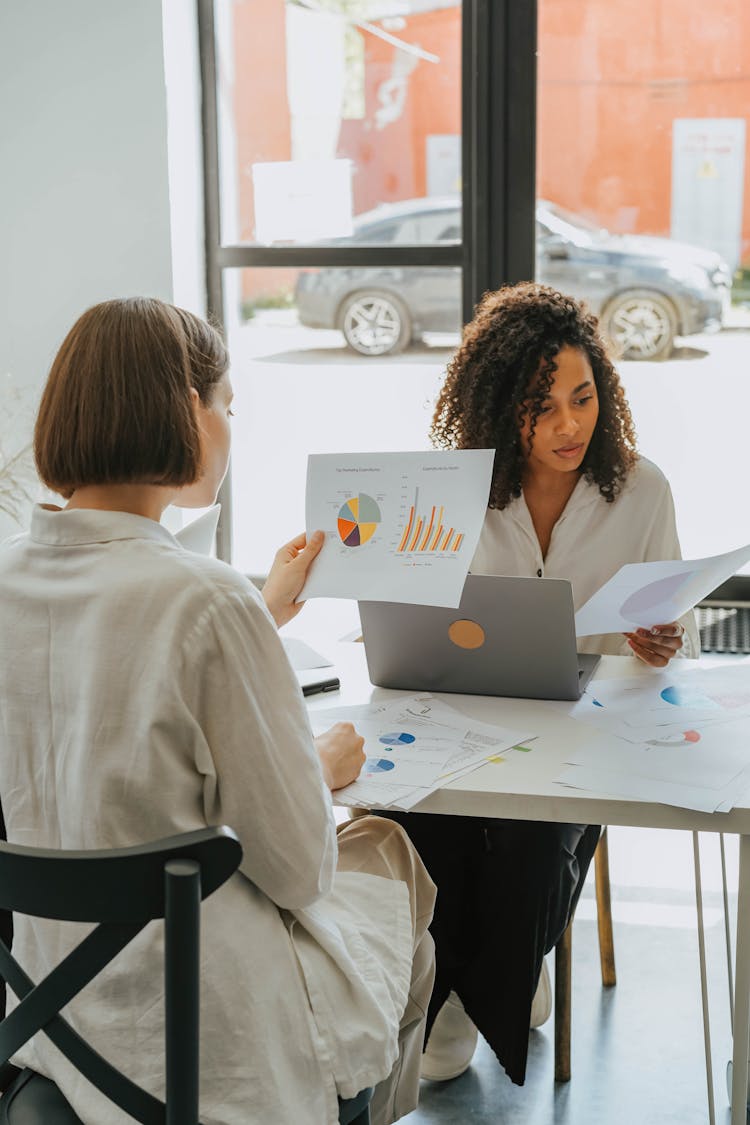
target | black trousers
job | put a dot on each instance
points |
(506, 892)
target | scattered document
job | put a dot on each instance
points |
(302, 655)
(400, 527)
(414, 746)
(679, 696)
(683, 738)
(632, 787)
(654, 593)
(712, 761)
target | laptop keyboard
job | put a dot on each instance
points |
(724, 628)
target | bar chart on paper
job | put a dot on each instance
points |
(428, 531)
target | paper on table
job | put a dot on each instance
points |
(678, 696)
(385, 795)
(654, 593)
(635, 788)
(400, 527)
(435, 741)
(302, 656)
(712, 759)
(682, 737)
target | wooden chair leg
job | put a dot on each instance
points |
(604, 913)
(563, 951)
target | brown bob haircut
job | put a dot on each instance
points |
(117, 407)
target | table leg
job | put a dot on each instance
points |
(727, 934)
(704, 980)
(742, 990)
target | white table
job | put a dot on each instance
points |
(531, 794)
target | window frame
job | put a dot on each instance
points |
(498, 152)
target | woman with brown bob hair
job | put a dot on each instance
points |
(570, 498)
(144, 692)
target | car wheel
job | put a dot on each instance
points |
(641, 325)
(375, 323)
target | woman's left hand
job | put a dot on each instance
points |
(657, 646)
(287, 576)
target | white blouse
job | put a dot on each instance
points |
(590, 542)
(144, 692)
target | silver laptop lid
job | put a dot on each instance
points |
(509, 636)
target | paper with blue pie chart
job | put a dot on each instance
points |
(378, 765)
(673, 707)
(680, 695)
(415, 744)
(400, 770)
(655, 593)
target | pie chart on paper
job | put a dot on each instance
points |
(378, 765)
(358, 520)
(638, 606)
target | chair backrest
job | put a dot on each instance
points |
(122, 890)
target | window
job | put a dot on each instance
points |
(644, 210)
(330, 266)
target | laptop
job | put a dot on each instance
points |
(509, 636)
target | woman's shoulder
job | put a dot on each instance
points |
(203, 586)
(646, 478)
(215, 574)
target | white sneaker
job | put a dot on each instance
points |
(541, 1005)
(452, 1042)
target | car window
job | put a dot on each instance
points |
(450, 234)
(408, 231)
(379, 232)
(439, 226)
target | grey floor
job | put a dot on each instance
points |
(637, 1049)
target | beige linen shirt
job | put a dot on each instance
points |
(144, 692)
(590, 542)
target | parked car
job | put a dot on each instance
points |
(645, 290)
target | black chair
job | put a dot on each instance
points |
(122, 890)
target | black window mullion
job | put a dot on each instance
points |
(239, 257)
(500, 144)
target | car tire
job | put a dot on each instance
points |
(640, 324)
(375, 322)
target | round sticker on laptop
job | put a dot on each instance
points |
(466, 634)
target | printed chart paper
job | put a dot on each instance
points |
(414, 746)
(654, 593)
(683, 738)
(302, 656)
(400, 527)
(640, 707)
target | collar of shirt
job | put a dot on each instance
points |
(68, 527)
(583, 496)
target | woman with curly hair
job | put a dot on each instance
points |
(570, 498)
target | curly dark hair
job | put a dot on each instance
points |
(504, 368)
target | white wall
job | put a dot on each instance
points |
(84, 169)
(185, 153)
